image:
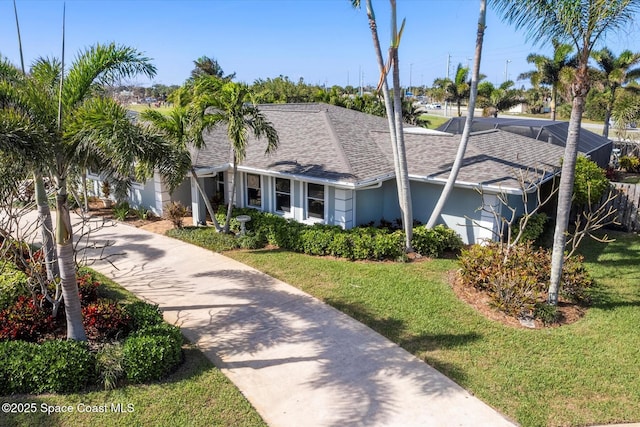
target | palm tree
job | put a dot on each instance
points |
(80, 122)
(206, 66)
(466, 132)
(583, 23)
(549, 70)
(504, 97)
(227, 104)
(459, 88)
(614, 73)
(393, 109)
(175, 126)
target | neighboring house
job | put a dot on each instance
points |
(335, 166)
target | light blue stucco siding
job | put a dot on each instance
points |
(142, 195)
(462, 212)
(377, 203)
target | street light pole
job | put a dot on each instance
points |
(410, 75)
(506, 70)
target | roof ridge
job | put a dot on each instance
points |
(336, 140)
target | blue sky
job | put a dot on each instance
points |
(323, 41)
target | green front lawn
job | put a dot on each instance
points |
(580, 374)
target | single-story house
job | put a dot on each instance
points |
(335, 166)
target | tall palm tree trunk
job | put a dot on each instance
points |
(207, 203)
(567, 178)
(554, 101)
(85, 192)
(227, 221)
(466, 132)
(403, 196)
(607, 112)
(46, 227)
(68, 282)
(403, 176)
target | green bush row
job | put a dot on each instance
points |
(58, 366)
(358, 243)
(51, 367)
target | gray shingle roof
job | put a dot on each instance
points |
(332, 143)
(556, 132)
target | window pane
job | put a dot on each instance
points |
(254, 193)
(315, 200)
(316, 209)
(254, 197)
(283, 202)
(316, 191)
(253, 181)
(283, 185)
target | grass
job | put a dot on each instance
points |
(141, 107)
(435, 121)
(580, 374)
(197, 394)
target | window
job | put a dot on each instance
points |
(254, 192)
(219, 196)
(283, 195)
(315, 201)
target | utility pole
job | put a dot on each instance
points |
(410, 75)
(506, 70)
(446, 104)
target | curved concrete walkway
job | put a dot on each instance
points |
(298, 361)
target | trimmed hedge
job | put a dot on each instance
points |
(51, 367)
(360, 243)
(143, 314)
(151, 353)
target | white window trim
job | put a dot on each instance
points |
(284, 214)
(246, 191)
(309, 219)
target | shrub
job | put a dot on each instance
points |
(175, 212)
(534, 228)
(143, 314)
(205, 237)
(52, 367)
(105, 319)
(13, 284)
(87, 288)
(65, 366)
(252, 240)
(109, 365)
(315, 240)
(547, 313)
(24, 320)
(518, 284)
(151, 353)
(630, 163)
(434, 242)
(576, 282)
(121, 211)
(342, 246)
(389, 245)
(142, 213)
(17, 374)
(590, 181)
